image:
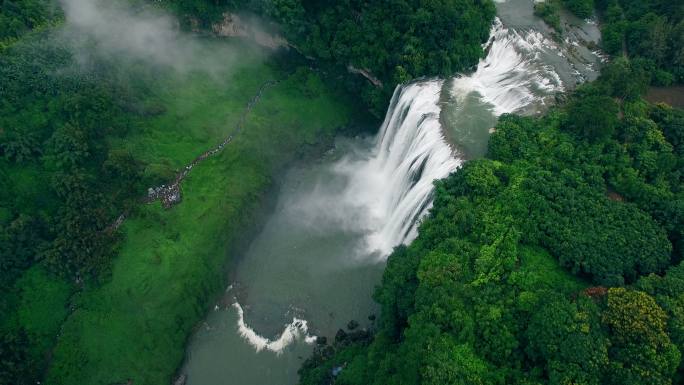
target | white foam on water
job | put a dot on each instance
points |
(295, 330)
(512, 75)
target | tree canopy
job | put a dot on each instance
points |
(390, 41)
(544, 263)
(651, 30)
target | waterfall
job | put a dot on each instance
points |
(411, 154)
(395, 183)
(372, 198)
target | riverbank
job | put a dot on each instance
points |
(134, 326)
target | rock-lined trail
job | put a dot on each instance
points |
(171, 194)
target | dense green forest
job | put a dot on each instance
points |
(555, 260)
(394, 41)
(17, 17)
(651, 30)
(61, 184)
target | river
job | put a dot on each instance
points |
(313, 266)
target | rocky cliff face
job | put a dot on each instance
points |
(234, 25)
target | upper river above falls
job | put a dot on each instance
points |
(314, 264)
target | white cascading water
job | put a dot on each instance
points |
(513, 75)
(393, 186)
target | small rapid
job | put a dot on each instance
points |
(295, 330)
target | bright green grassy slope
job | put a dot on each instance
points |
(41, 308)
(170, 264)
(200, 112)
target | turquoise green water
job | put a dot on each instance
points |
(305, 263)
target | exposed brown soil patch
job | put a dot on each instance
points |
(673, 95)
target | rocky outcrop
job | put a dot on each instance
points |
(234, 25)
